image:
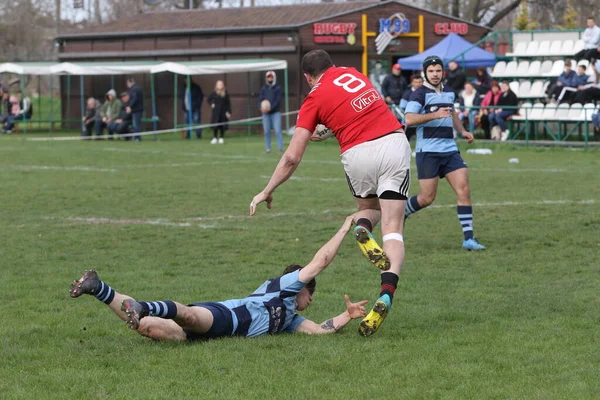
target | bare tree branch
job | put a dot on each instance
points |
(503, 13)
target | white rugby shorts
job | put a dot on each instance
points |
(379, 165)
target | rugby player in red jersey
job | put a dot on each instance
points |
(376, 158)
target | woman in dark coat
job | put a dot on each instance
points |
(221, 111)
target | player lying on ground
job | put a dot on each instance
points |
(376, 159)
(270, 309)
(430, 109)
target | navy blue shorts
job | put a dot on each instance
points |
(433, 165)
(222, 322)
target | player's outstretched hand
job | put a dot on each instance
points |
(355, 310)
(444, 112)
(348, 222)
(259, 198)
(469, 136)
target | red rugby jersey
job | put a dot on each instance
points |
(345, 101)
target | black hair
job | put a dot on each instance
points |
(315, 62)
(311, 286)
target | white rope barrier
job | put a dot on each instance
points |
(157, 132)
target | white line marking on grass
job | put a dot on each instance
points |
(133, 221)
(79, 168)
(308, 178)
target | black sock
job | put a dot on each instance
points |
(389, 282)
(365, 223)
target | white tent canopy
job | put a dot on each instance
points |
(143, 67)
(219, 67)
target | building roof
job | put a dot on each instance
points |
(225, 19)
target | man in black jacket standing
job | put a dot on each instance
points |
(193, 113)
(393, 86)
(135, 106)
(455, 78)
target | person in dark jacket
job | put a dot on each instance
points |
(508, 98)
(5, 107)
(271, 116)
(90, 117)
(193, 114)
(135, 106)
(221, 111)
(579, 82)
(455, 78)
(566, 79)
(123, 122)
(416, 81)
(394, 85)
(483, 80)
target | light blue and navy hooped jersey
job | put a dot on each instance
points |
(435, 136)
(270, 309)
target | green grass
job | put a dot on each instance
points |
(519, 320)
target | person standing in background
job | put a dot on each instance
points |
(195, 94)
(135, 106)
(394, 85)
(271, 116)
(455, 78)
(221, 111)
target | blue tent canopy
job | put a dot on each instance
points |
(448, 49)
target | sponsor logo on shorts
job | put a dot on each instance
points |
(365, 99)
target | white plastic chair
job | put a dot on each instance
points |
(524, 111)
(524, 89)
(577, 47)
(519, 50)
(514, 86)
(523, 69)
(567, 48)
(532, 48)
(546, 67)
(537, 90)
(575, 112)
(555, 48)
(536, 112)
(545, 87)
(589, 109)
(557, 68)
(499, 69)
(549, 112)
(534, 68)
(573, 64)
(544, 49)
(511, 69)
(562, 112)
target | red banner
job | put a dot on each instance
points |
(445, 28)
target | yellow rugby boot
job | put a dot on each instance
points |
(370, 248)
(372, 322)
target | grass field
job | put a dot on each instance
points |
(169, 219)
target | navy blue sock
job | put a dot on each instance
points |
(365, 223)
(105, 294)
(163, 309)
(412, 206)
(465, 216)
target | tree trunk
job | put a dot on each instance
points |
(456, 8)
(97, 11)
(57, 5)
(503, 13)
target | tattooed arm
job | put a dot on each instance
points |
(353, 310)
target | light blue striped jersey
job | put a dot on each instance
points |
(435, 136)
(270, 309)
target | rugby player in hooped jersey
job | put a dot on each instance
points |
(430, 109)
(376, 159)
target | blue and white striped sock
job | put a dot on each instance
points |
(162, 309)
(105, 294)
(465, 216)
(412, 206)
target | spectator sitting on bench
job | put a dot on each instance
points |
(122, 124)
(590, 92)
(596, 122)
(591, 40)
(108, 112)
(469, 98)
(22, 110)
(579, 83)
(490, 100)
(566, 79)
(498, 118)
(483, 81)
(90, 117)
